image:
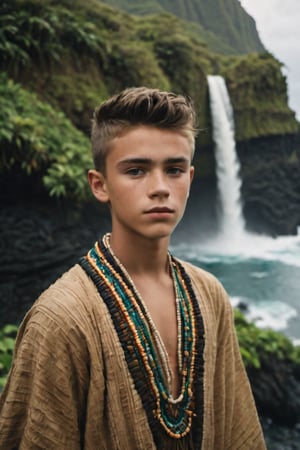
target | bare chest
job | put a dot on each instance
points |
(161, 305)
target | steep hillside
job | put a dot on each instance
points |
(258, 93)
(225, 26)
(73, 58)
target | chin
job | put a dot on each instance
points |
(161, 232)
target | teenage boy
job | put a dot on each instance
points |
(132, 349)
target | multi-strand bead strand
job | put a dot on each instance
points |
(158, 341)
(142, 343)
(156, 336)
(124, 311)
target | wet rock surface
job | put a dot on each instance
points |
(278, 437)
(38, 243)
(270, 172)
(276, 388)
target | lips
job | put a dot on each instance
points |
(159, 210)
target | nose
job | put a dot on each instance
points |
(158, 185)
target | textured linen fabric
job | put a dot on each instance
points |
(70, 388)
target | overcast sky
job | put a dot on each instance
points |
(278, 24)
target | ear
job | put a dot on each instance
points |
(98, 185)
(192, 172)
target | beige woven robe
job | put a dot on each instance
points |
(70, 387)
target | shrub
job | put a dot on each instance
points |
(7, 343)
(38, 138)
(257, 344)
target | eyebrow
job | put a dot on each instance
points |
(179, 160)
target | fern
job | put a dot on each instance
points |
(37, 138)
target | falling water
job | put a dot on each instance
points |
(256, 270)
(227, 163)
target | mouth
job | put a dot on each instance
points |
(159, 210)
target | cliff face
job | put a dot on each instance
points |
(258, 93)
(270, 174)
(268, 144)
(270, 170)
(225, 26)
(74, 58)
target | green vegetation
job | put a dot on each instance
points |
(72, 58)
(75, 58)
(36, 138)
(224, 26)
(258, 93)
(260, 344)
(7, 343)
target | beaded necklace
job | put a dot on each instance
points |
(155, 334)
(144, 350)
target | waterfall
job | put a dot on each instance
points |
(227, 163)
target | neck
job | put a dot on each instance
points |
(140, 255)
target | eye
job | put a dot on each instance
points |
(175, 170)
(135, 171)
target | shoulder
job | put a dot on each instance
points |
(63, 320)
(67, 302)
(212, 297)
(71, 289)
(203, 279)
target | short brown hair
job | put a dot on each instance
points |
(140, 106)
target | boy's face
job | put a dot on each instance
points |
(147, 181)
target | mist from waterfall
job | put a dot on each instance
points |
(255, 269)
(227, 164)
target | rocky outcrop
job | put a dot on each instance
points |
(276, 388)
(40, 240)
(280, 437)
(270, 172)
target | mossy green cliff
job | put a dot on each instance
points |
(224, 26)
(73, 55)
